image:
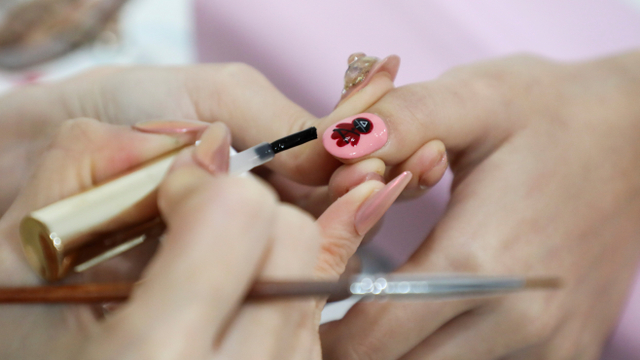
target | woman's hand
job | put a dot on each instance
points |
(546, 182)
(235, 94)
(223, 234)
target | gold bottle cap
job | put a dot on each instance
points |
(87, 228)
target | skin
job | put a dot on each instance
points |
(546, 182)
(168, 317)
(537, 149)
(235, 94)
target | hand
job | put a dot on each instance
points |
(546, 182)
(223, 233)
(235, 94)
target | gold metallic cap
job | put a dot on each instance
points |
(85, 229)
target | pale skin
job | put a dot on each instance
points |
(546, 182)
(538, 150)
(188, 304)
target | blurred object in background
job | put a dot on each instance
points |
(45, 40)
(36, 31)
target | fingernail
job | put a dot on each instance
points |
(363, 68)
(432, 176)
(377, 204)
(171, 126)
(355, 136)
(212, 152)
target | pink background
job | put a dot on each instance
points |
(303, 46)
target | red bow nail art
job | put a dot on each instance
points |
(347, 133)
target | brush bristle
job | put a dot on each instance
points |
(294, 140)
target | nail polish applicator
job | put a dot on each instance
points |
(88, 228)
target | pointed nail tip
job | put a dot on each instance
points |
(372, 210)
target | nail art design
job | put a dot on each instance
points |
(359, 67)
(363, 68)
(355, 136)
(349, 134)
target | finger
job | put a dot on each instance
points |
(457, 111)
(85, 152)
(216, 237)
(349, 176)
(472, 335)
(233, 93)
(395, 327)
(277, 329)
(270, 115)
(316, 199)
(429, 163)
(347, 220)
(391, 328)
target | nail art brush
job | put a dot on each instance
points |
(422, 287)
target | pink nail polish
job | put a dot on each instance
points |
(355, 136)
(377, 204)
(171, 126)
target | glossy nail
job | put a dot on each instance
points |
(377, 204)
(355, 136)
(171, 126)
(212, 151)
(363, 68)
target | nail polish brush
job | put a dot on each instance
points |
(85, 229)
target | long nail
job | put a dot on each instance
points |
(375, 206)
(363, 68)
(212, 152)
(171, 126)
(355, 136)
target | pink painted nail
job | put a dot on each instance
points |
(171, 126)
(377, 204)
(362, 68)
(355, 136)
(212, 152)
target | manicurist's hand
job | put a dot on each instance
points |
(223, 234)
(546, 182)
(235, 94)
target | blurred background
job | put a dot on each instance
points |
(302, 47)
